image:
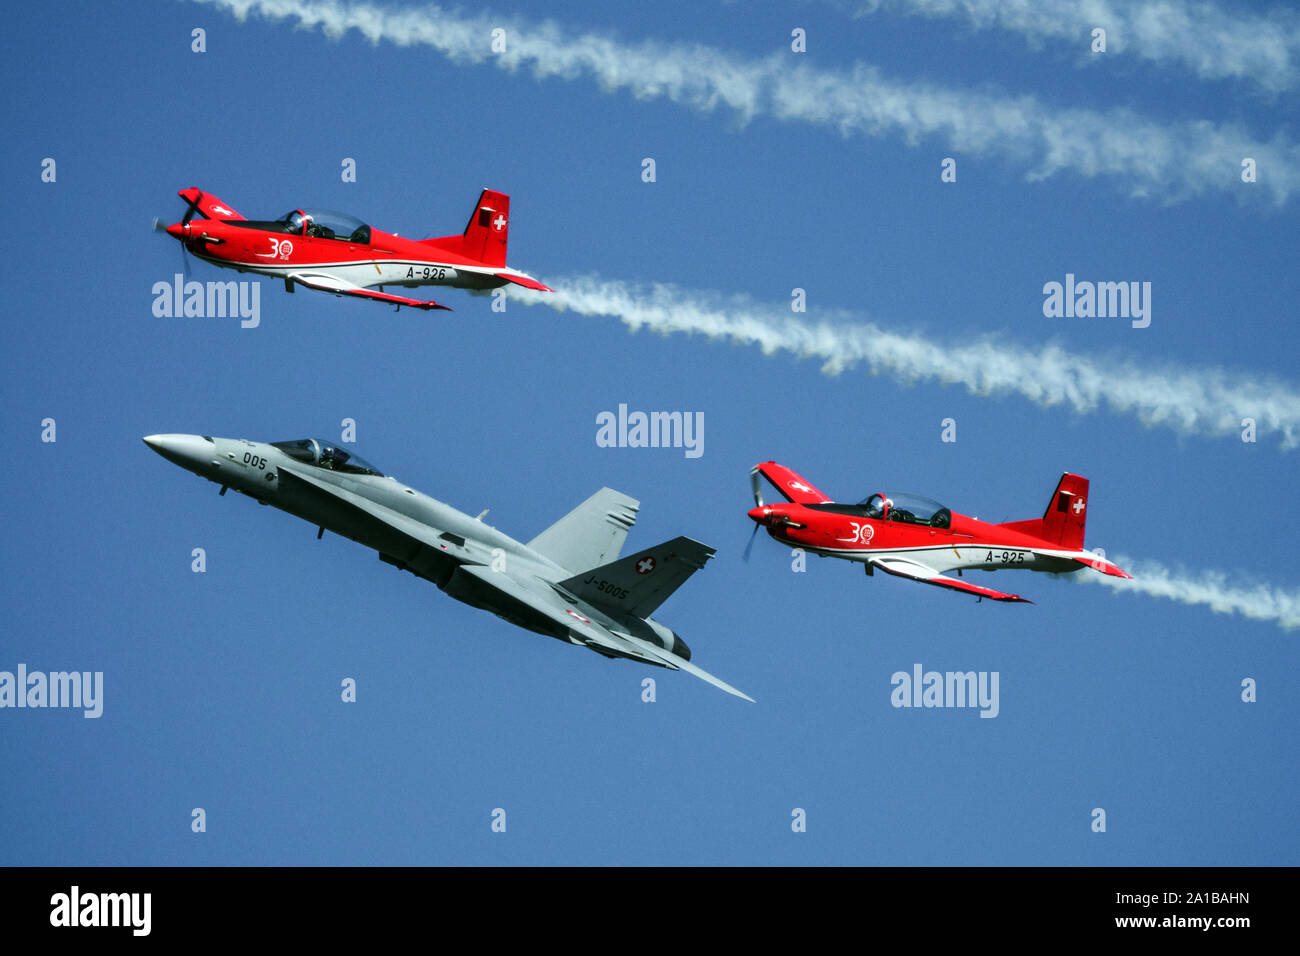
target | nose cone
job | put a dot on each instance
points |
(758, 514)
(192, 452)
(176, 231)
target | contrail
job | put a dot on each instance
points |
(1204, 402)
(1254, 600)
(1171, 161)
(1214, 43)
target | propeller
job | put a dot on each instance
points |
(750, 546)
(769, 517)
(192, 209)
(160, 226)
(758, 503)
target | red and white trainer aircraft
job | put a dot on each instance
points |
(334, 252)
(917, 538)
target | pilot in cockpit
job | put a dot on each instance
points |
(878, 506)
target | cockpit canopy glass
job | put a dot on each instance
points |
(907, 508)
(327, 224)
(325, 454)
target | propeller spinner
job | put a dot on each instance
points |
(192, 209)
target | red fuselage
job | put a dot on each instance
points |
(918, 538)
(334, 252)
(964, 543)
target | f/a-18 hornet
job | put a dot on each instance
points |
(335, 252)
(918, 538)
(568, 582)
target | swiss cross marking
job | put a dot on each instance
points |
(645, 565)
(499, 222)
(1078, 505)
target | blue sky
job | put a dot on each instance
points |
(222, 688)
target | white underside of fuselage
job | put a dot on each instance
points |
(407, 273)
(973, 556)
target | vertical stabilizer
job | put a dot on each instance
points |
(591, 534)
(1063, 521)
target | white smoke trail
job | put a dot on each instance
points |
(1214, 589)
(1199, 402)
(1261, 47)
(1169, 160)
(1192, 402)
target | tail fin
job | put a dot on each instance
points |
(641, 582)
(486, 232)
(1063, 521)
(591, 533)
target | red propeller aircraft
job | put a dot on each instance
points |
(335, 252)
(917, 538)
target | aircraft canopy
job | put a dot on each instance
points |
(903, 507)
(327, 454)
(327, 224)
(908, 508)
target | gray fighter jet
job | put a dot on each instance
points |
(568, 582)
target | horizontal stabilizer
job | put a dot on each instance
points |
(1102, 565)
(528, 282)
(641, 582)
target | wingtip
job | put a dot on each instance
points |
(736, 692)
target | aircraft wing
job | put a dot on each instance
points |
(578, 621)
(669, 659)
(793, 487)
(324, 282)
(208, 204)
(407, 544)
(919, 572)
